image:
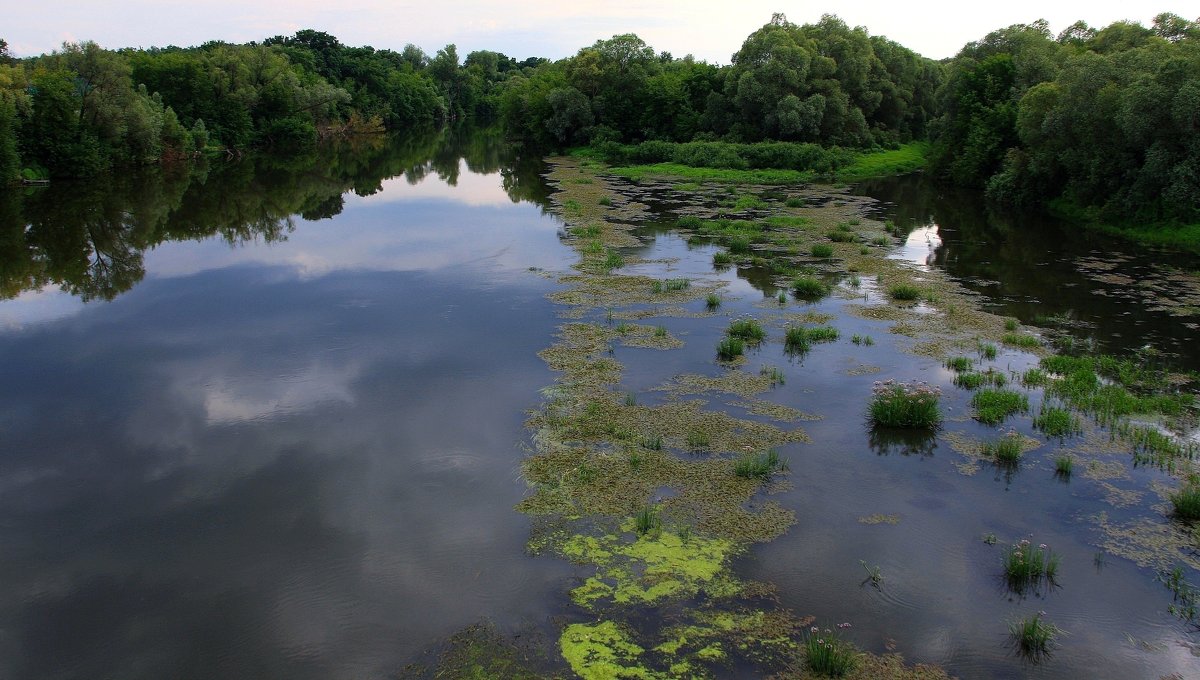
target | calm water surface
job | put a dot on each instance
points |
(266, 421)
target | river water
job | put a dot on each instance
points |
(266, 419)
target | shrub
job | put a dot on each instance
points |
(909, 405)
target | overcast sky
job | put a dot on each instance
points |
(548, 28)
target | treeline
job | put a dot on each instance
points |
(1104, 122)
(84, 109)
(825, 83)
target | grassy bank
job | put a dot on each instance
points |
(762, 163)
(1173, 236)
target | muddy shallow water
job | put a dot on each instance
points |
(278, 432)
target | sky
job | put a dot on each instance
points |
(711, 31)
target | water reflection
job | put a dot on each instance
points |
(886, 441)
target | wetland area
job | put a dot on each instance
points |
(430, 407)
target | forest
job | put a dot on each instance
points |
(1102, 124)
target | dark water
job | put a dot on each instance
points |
(265, 420)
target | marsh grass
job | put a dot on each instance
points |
(660, 332)
(971, 380)
(782, 297)
(630, 399)
(809, 288)
(905, 292)
(670, 286)
(689, 222)
(881, 241)
(822, 250)
(993, 406)
(697, 440)
(739, 245)
(1035, 377)
(773, 374)
(1028, 565)
(799, 339)
(862, 340)
(986, 350)
(1054, 421)
(827, 654)
(646, 520)
(1006, 451)
(855, 281)
(1186, 502)
(905, 405)
(722, 259)
(654, 443)
(840, 236)
(713, 301)
(1010, 325)
(590, 231)
(613, 261)
(747, 330)
(1063, 465)
(730, 348)
(1033, 637)
(959, 364)
(759, 465)
(1021, 340)
(794, 202)
(635, 461)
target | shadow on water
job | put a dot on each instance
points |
(1046, 272)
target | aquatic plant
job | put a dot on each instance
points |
(646, 520)
(1006, 451)
(613, 261)
(759, 465)
(1185, 596)
(773, 374)
(1063, 466)
(1034, 377)
(630, 399)
(722, 259)
(908, 405)
(730, 348)
(712, 301)
(739, 245)
(782, 297)
(660, 331)
(822, 250)
(973, 379)
(881, 241)
(1056, 422)
(986, 350)
(1026, 564)
(855, 281)
(590, 231)
(794, 202)
(635, 460)
(697, 440)
(992, 406)
(959, 364)
(749, 330)
(1186, 501)
(1010, 325)
(827, 654)
(654, 443)
(1020, 340)
(1032, 636)
(798, 339)
(904, 292)
(809, 288)
(840, 236)
(670, 286)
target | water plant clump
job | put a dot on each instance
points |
(670, 286)
(1027, 565)
(730, 348)
(1020, 340)
(993, 406)
(1006, 451)
(904, 292)
(759, 465)
(646, 520)
(799, 339)
(613, 261)
(906, 405)
(972, 380)
(827, 654)
(809, 288)
(1186, 501)
(722, 259)
(822, 250)
(773, 374)
(748, 330)
(987, 350)
(841, 236)
(1055, 421)
(1063, 465)
(1033, 636)
(697, 440)
(713, 301)
(874, 574)
(959, 364)
(862, 340)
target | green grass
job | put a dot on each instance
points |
(1057, 422)
(1035, 377)
(827, 654)
(722, 259)
(959, 364)
(1026, 564)
(841, 236)
(794, 202)
(798, 339)
(654, 443)
(862, 340)
(590, 231)
(748, 202)
(1063, 465)
(1021, 340)
(660, 331)
(647, 520)
(905, 405)
(1186, 502)
(630, 399)
(689, 222)
(613, 261)
(676, 170)
(773, 374)
(987, 350)
(749, 330)
(822, 250)
(759, 465)
(908, 158)
(808, 288)
(993, 406)
(604, 200)
(972, 380)
(1006, 451)
(730, 349)
(739, 245)
(670, 286)
(1033, 636)
(1010, 325)
(905, 292)
(713, 301)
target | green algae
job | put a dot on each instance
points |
(602, 651)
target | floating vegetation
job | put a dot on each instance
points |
(905, 405)
(879, 519)
(1033, 636)
(1152, 446)
(994, 406)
